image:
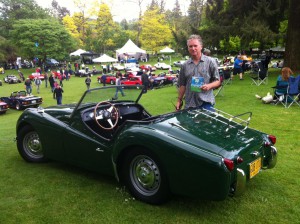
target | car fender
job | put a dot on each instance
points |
(179, 160)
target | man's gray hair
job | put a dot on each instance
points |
(197, 37)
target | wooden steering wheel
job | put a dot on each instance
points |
(110, 115)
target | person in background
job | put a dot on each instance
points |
(119, 87)
(237, 67)
(51, 82)
(201, 67)
(37, 83)
(28, 86)
(88, 81)
(145, 81)
(46, 79)
(21, 75)
(57, 94)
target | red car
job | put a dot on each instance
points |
(110, 79)
(3, 107)
(35, 75)
(136, 80)
(147, 67)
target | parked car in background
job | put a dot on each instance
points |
(147, 67)
(50, 62)
(20, 100)
(118, 67)
(191, 152)
(162, 66)
(34, 75)
(131, 67)
(110, 79)
(178, 63)
(3, 107)
(12, 79)
(135, 80)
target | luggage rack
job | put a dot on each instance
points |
(234, 121)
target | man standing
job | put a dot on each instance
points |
(28, 86)
(38, 82)
(57, 94)
(199, 69)
(145, 81)
(88, 82)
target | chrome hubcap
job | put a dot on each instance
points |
(32, 145)
(145, 175)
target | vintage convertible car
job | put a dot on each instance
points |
(20, 100)
(190, 152)
(11, 79)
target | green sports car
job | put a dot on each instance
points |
(191, 152)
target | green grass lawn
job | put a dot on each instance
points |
(58, 193)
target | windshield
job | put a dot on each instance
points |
(111, 93)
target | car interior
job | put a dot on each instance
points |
(125, 111)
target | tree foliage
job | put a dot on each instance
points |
(155, 32)
(41, 38)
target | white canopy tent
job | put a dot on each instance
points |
(104, 59)
(77, 52)
(167, 50)
(130, 49)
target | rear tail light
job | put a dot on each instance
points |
(229, 164)
(272, 139)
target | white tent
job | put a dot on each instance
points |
(167, 50)
(77, 53)
(104, 59)
(130, 48)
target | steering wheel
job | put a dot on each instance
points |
(111, 115)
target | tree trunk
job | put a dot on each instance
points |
(292, 51)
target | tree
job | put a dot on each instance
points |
(58, 11)
(105, 29)
(292, 53)
(41, 38)
(12, 10)
(155, 31)
(70, 26)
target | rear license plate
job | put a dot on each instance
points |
(255, 167)
(33, 101)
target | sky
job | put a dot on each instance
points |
(120, 9)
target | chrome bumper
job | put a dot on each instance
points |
(273, 158)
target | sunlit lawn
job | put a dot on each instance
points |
(58, 193)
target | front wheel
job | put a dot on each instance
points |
(144, 177)
(29, 145)
(18, 106)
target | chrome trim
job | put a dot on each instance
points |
(240, 182)
(255, 153)
(273, 159)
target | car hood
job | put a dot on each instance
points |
(211, 133)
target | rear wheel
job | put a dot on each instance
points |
(144, 177)
(29, 145)
(112, 82)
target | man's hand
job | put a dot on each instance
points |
(179, 105)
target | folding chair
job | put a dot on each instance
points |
(292, 92)
(261, 76)
(225, 77)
